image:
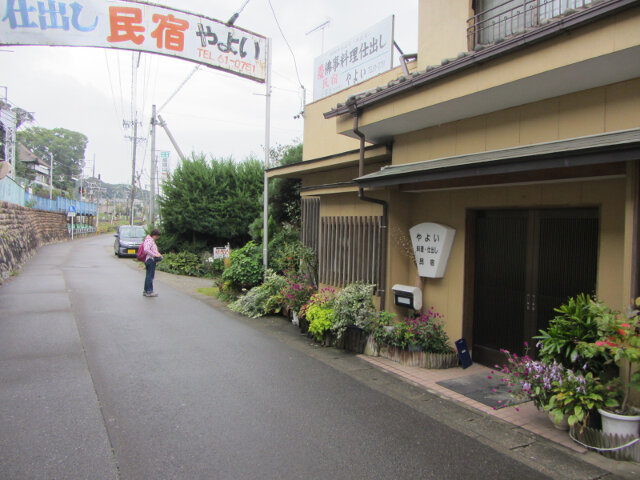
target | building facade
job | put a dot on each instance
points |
(517, 125)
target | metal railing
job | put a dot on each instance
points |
(512, 17)
(11, 192)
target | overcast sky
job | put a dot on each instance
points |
(89, 89)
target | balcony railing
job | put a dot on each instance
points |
(512, 17)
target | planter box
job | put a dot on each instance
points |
(354, 339)
(372, 348)
(600, 440)
(420, 359)
(304, 325)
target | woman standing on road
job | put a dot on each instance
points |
(153, 257)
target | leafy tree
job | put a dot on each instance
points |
(66, 146)
(210, 203)
(284, 193)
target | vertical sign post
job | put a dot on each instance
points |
(267, 148)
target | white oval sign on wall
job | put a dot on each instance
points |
(432, 245)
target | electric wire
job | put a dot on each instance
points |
(120, 82)
(113, 96)
(295, 64)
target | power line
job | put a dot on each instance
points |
(120, 81)
(113, 96)
(295, 64)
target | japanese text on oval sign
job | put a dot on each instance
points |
(432, 245)
(431, 241)
(133, 26)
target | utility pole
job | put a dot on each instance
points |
(134, 139)
(98, 205)
(267, 152)
(50, 175)
(152, 199)
(163, 124)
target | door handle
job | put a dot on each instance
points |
(533, 303)
(527, 301)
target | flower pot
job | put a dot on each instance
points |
(563, 424)
(614, 423)
(304, 325)
(354, 339)
(372, 348)
(441, 360)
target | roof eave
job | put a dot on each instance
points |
(525, 40)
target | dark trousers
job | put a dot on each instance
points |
(150, 265)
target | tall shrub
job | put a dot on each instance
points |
(208, 203)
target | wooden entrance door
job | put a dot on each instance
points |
(527, 262)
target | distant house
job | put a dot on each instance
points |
(38, 169)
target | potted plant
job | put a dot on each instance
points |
(566, 340)
(532, 379)
(419, 340)
(320, 314)
(621, 339)
(296, 293)
(575, 396)
(354, 315)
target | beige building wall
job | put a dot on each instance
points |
(320, 138)
(450, 208)
(599, 110)
(442, 30)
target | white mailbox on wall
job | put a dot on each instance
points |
(432, 245)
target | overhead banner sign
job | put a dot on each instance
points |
(137, 26)
(363, 57)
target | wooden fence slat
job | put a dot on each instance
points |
(349, 249)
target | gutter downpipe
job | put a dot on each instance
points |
(385, 215)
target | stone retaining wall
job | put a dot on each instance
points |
(23, 230)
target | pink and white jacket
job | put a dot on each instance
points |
(150, 248)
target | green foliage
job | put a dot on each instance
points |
(321, 307)
(66, 146)
(263, 299)
(354, 306)
(297, 291)
(256, 228)
(620, 339)
(568, 334)
(284, 193)
(212, 202)
(288, 254)
(423, 332)
(245, 269)
(320, 320)
(183, 263)
(575, 396)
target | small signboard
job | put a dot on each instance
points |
(432, 245)
(221, 252)
(71, 212)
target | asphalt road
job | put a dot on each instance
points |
(98, 382)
